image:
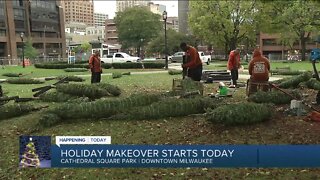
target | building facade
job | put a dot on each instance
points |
(183, 11)
(156, 8)
(111, 34)
(98, 31)
(79, 11)
(41, 21)
(272, 47)
(122, 5)
(100, 18)
(173, 23)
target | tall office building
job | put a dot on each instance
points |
(100, 19)
(183, 12)
(80, 11)
(156, 8)
(41, 21)
(122, 5)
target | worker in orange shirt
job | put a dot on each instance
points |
(194, 63)
(259, 68)
(234, 65)
(95, 67)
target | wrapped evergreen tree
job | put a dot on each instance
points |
(90, 91)
(296, 80)
(54, 96)
(102, 108)
(237, 114)
(275, 97)
(24, 81)
(313, 84)
(71, 78)
(14, 110)
(30, 158)
(171, 107)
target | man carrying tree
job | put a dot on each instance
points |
(95, 67)
(234, 65)
(194, 63)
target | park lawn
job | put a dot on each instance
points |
(32, 72)
(185, 130)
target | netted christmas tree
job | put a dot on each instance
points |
(14, 110)
(237, 114)
(294, 81)
(30, 158)
(275, 97)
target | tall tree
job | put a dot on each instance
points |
(294, 20)
(137, 26)
(173, 42)
(224, 23)
(30, 51)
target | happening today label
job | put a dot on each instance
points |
(82, 140)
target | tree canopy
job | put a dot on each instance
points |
(29, 50)
(173, 42)
(294, 21)
(224, 23)
(137, 26)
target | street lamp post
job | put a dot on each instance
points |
(22, 36)
(164, 16)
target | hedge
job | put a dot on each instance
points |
(238, 114)
(24, 81)
(106, 65)
(75, 70)
(128, 65)
(60, 66)
(153, 65)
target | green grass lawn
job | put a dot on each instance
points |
(185, 130)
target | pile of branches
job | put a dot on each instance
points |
(239, 114)
(102, 108)
(95, 91)
(275, 97)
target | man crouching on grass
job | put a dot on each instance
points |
(194, 63)
(95, 67)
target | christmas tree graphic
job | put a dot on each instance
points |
(30, 158)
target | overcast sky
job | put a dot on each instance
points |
(109, 7)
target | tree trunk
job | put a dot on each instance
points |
(226, 51)
(138, 51)
(303, 47)
(233, 44)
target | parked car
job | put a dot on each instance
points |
(119, 57)
(178, 56)
(204, 58)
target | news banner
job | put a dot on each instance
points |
(97, 151)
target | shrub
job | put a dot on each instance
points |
(12, 74)
(275, 97)
(116, 75)
(153, 65)
(294, 81)
(71, 78)
(24, 81)
(237, 114)
(75, 70)
(174, 72)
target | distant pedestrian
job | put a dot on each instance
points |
(234, 66)
(95, 67)
(194, 63)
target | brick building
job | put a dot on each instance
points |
(41, 21)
